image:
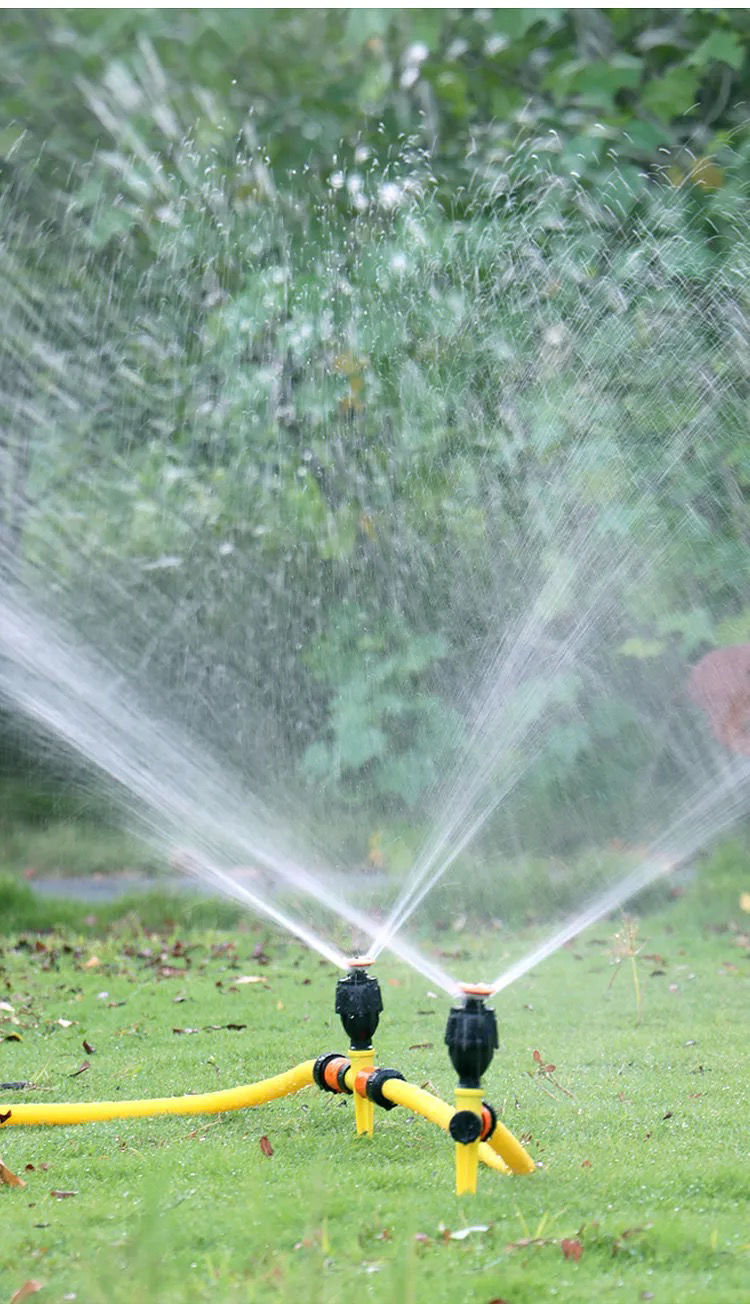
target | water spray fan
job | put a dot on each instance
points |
(471, 1036)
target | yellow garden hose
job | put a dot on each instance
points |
(210, 1102)
(505, 1144)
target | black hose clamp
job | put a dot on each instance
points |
(319, 1072)
(465, 1126)
(377, 1081)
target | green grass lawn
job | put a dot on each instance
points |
(643, 1156)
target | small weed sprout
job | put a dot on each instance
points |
(626, 947)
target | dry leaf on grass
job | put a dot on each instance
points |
(266, 1147)
(572, 1249)
(29, 1288)
(63, 1195)
(8, 1178)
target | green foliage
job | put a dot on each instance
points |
(383, 726)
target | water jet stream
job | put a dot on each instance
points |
(175, 794)
(708, 812)
(475, 789)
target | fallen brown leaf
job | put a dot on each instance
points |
(266, 1147)
(572, 1249)
(92, 962)
(8, 1178)
(83, 1068)
(29, 1288)
(89, 1049)
(63, 1195)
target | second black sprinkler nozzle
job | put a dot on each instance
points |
(359, 1004)
(471, 1035)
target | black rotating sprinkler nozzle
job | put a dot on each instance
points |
(359, 1004)
(471, 1036)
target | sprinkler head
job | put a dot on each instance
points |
(471, 1035)
(359, 1004)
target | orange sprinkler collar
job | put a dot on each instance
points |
(475, 989)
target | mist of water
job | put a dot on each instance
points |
(303, 418)
(574, 609)
(190, 807)
(703, 817)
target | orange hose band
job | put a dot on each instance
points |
(331, 1072)
(360, 1082)
(488, 1123)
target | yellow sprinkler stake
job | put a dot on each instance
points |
(364, 1110)
(465, 1128)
